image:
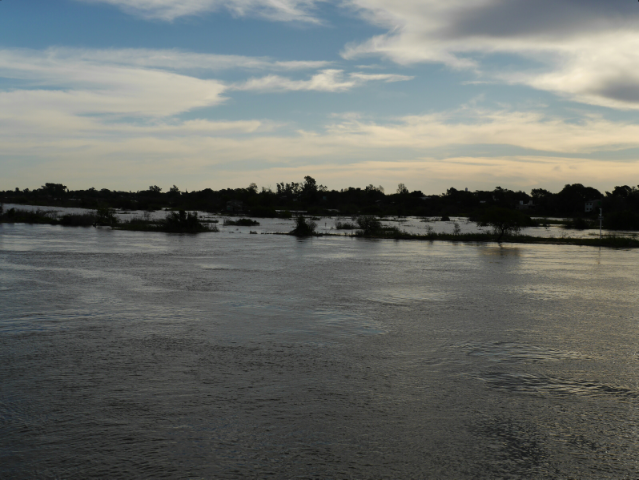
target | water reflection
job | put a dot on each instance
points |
(127, 354)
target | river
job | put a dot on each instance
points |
(230, 355)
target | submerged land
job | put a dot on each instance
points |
(504, 211)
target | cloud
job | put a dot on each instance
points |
(25, 60)
(76, 86)
(528, 130)
(169, 10)
(584, 49)
(329, 80)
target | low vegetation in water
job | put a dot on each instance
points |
(242, 222)
(345, 226)
(303, 227)
(175, 222)
(14, 215)
(611, 241)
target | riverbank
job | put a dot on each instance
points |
(609, 241)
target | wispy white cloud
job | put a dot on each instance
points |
(119, 111)
(529, 130)
(329, 80)
(21, 61)
(168, 10)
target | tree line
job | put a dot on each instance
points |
(622, 203)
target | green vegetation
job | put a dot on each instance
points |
(621, 206)
(175, 222)
(242, 222)
(303, 227)
(504, 221)
(14, 215)
(611, 241)
(345, 226)
(23, 216)
(622, 220)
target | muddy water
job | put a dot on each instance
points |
(145, 355)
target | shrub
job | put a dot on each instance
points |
(105, 216)
(242, 222)
(624, 220)
(369, 225)
(183, 222)
(579, 223)
(345, 226)
(304, 227)
(504, 221)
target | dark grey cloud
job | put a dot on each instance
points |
(623, 90)
(547, 18)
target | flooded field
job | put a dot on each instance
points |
(230, 355)
(414, 225)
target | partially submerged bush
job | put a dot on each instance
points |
(242, 222)
(504, 221)
(579, 223)
(304, 227)
(345, 226)
(105, 216)
(369, 225)
(183, 222)
(624, 220)
(27, 216)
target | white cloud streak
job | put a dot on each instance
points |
(329, 80)
(168, 10)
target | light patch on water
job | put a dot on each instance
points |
(404, 297)
(510, 352)
(545, 385)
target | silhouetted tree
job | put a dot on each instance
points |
(504, 221)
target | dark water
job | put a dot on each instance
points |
(133, 355)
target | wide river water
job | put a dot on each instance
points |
(229, 355)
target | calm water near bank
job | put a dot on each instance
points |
(229, 355)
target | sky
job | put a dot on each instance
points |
(123, 94)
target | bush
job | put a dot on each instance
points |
(345, 226)
(504, 221)
(625, 220)
(579, 223)
(369, 225)
(105, 216)
(24, 216)
(183, 222)
(304, 227)
(242, 222)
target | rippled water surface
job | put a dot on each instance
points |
(229, 355)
